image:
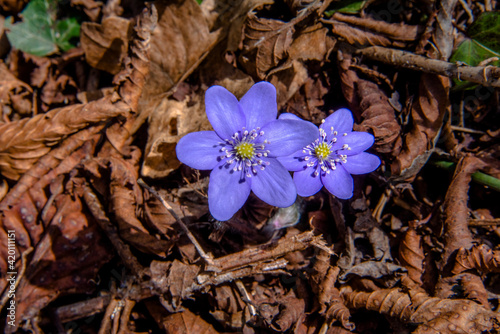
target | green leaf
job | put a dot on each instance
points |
(346, 7)
(39, 13)
(39, 33)
(472, 53)
(31, 39)
(486, 30)
(65, 31)
(483, 43)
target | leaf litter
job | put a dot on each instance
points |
(113, 233)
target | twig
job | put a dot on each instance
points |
(462, 129)
(6, 295)
(484, 75)
(206, 256)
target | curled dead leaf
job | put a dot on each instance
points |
(105, 44)
(15, 95)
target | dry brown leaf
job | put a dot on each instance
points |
(480, 257)
(456, 228)
(186, 322)
(308, 100)
(63, 260)
(90, 7)
(13, 6)
(411, 253)
(125, 196)
(51, 75)
(291, 310)
(338, 311)
(175, 280)
(25, 141)
(474, 289)
(370, 105)
(313, 43)
(105, 44)
(427, 115)
(397, 31)
(15, 95)
(266, 44)
(416, 307)
(361, 37)
(171, 120)
(175, 48)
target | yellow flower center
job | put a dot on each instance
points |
(245, 150)
(322, 151)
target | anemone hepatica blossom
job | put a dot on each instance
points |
(329, 160)
(242, 149)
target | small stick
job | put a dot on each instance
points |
(484, 75)
(206, 256)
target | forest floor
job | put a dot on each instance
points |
(103, 230)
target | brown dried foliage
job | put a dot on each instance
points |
(430, 313)
(411, 253)
(480, 258)
(77, 202)
(427, 113)
(456, 231)
(371, 106)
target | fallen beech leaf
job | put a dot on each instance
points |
(291, 310)
(373, 269)
(175, 49)
(51, 75)
(186, 322)
(456, 230)
(427, 115)
(15, 95)
(411, 253)
(125, 196)
(12, 6)
(106, 44)
(170, 121)
(177, 279)
(62, 261)
(308, 99)
(90, 7)
(474, 289)
(266, 42)
(416, 307)
(25, 141)
(371, 105)
(397, 31)
(480, 257)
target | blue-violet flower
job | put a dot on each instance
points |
(335, 154)
(242, 150)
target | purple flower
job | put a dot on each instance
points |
(242, 150)
(330, 160)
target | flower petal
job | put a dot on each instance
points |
(274, 185)
(259, 105)
(338, 182)
(357, 141)
(200, 150)
(307, 184)
(341, 120)
(288, 115)
(361, 163)
(294, 162)
(223, 111)
(227, 191)
(287, 136)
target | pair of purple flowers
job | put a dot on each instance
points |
(251, 150)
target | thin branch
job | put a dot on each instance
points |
(484, 75)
